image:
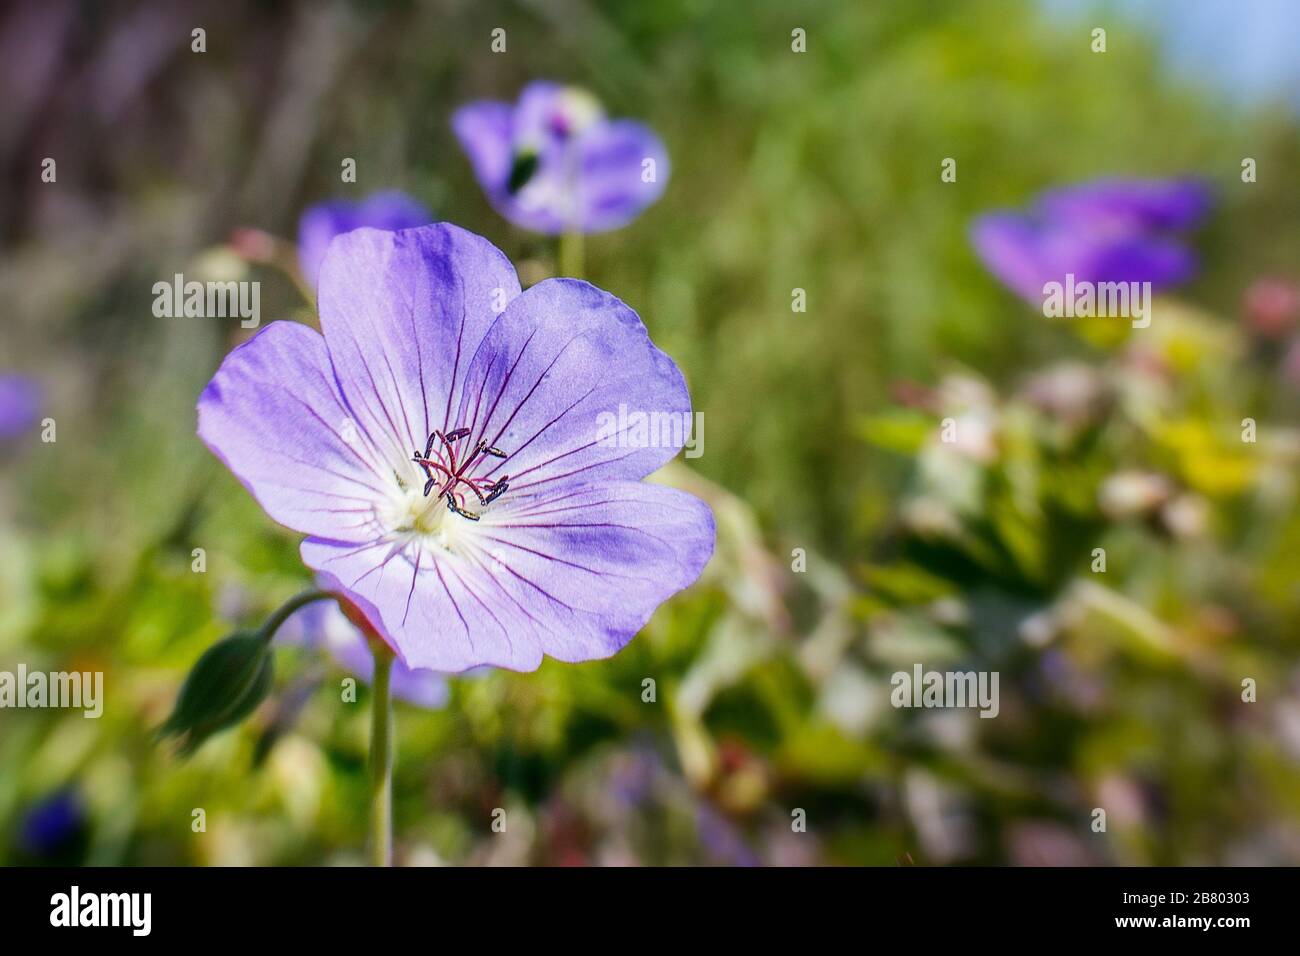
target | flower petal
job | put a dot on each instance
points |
(273, 414)
(595, 560)
(568, 384)
(423, 688)
(573, 573)
(442, 613)
(20, 399)
(493, 134)
(486, 133)
(1139, 203)
(1025, 255)
(325, 220)
(540, 103)
(1162, 262)
(403, 313)
(322, 626)
(613, 185)
(1008, 245)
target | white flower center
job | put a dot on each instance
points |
(412, 518)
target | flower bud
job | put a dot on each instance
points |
(225, 686)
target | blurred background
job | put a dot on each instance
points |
(852, 542)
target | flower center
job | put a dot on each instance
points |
(575, 111)
(548, 137)
(454, 480)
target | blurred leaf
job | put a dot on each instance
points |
(906, 583)
(902, 431)
(1207, 461)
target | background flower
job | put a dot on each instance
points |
(52, 828)
(553, 162)
(325, 220)
(19, 405)
(1105, 231)
(322, 626)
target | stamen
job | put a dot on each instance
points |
(455, 474)
(455, 508)
(427, 463)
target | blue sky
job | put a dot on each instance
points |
(1248, 49)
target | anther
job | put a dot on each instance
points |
(455, 473)
(455, 508)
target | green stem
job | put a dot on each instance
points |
(273, 622)
(571, 255)
(381, 759)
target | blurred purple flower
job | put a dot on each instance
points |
(51, 824)
(633, 776)
(322, 626)
(20, 398)
(553, 163)
(445, 447)
(325, 220)
(721, 840)
(1106, 231)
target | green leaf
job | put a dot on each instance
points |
(903, 431)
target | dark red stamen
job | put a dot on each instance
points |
(454, 474)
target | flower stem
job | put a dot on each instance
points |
(381, 759)
(571, 254)
(282, 614)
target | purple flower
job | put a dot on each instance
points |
(52, 824)
(446, 446)
(1105, 231)
(323, 626)
(325, 220)
(553, 163)
(19, 405)
(722, 840)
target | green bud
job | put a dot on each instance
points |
(226, 684)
